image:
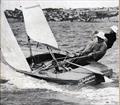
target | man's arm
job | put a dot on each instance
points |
(101, 51)
(88, 49)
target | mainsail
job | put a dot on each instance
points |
(10, 48)
(37, 27)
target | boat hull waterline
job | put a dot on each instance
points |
(78, 76)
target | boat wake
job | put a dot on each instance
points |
(103, 93)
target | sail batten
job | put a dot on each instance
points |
(37, 27)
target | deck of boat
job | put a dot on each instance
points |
(75, 76)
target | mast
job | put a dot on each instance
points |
(31, 55)
(37, 28)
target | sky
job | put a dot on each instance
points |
(11, 4)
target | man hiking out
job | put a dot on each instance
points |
(96, 48)
(111, 36)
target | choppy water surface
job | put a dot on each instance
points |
(70, 36)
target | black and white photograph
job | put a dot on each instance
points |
(59, 52)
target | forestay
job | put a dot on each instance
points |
(36, 25)
(10, 48)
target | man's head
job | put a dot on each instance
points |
(111, 36)
(114, 29)
(100, 36)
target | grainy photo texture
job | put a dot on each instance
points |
(59, 52)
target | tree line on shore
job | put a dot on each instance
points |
(60, 14)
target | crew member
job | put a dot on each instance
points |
(111, 36)
(96, 48)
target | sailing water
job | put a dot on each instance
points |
(103, 94)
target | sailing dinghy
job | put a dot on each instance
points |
(52, 67)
